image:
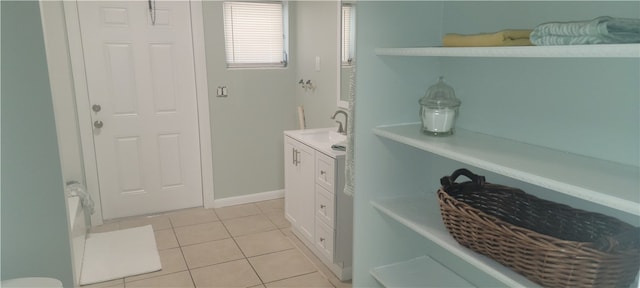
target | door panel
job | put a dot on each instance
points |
(129, 165)
(121, 80)
(142, 76)
(163, 87)
(169, 148)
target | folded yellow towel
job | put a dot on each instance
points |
(500, 38)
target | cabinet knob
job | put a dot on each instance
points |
(322, 172)
(321, 239)
(322, 206)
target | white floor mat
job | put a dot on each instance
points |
(117, 254)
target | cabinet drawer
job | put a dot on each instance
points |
(324, 171)
(324, 240)
(324, 205)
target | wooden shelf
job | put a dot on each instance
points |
(422, 215)
(563, 51)
(606, 183)
(416, 272)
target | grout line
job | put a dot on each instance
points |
(300, 276)
(144, 279)
(168, 215)
(295, 246)
(186, 268)
(204, 241)
(255, 232)
(193, 281)
(223, 262)
(272, 222)
(200, 243)
(195, 223)
(315, 261)
(246, 204)
(272, 252)
(245, 256)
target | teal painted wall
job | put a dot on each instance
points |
(585, 106)
(35, 237)
(247, 126)
(316, 34)
(387, 91)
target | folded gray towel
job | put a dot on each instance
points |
(601, 30)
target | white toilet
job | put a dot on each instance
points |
(32, 282)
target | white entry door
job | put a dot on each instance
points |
(141, 85)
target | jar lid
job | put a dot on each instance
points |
(440, 95)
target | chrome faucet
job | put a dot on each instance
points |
(346, 120)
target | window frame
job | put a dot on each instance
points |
(285, 38)
(349, 39)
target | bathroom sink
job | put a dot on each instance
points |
(323, 136)
(320, 139)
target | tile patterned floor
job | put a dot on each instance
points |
(249, 245)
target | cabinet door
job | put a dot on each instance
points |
(306, 190)
(299, 195)
(291, 209)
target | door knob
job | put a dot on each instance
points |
(98, 124)
(96, 108)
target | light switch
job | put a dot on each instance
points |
(317, 63)
(221, 91)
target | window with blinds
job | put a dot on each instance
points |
(254, 34)
(348, 35)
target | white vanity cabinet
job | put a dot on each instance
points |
(299, 174)
(319, 212)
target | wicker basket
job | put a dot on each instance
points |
(551, 244)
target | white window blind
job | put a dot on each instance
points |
(254, 34)
(347, 34)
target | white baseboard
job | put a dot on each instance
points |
(251, 198)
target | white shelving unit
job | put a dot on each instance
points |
(606, 183)
(422, 215)
(610, 184)
(416, 272)
(560, 51)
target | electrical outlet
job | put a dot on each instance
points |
(221, 91)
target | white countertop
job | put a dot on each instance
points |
(320, 139)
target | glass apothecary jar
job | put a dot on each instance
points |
(439, 109)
